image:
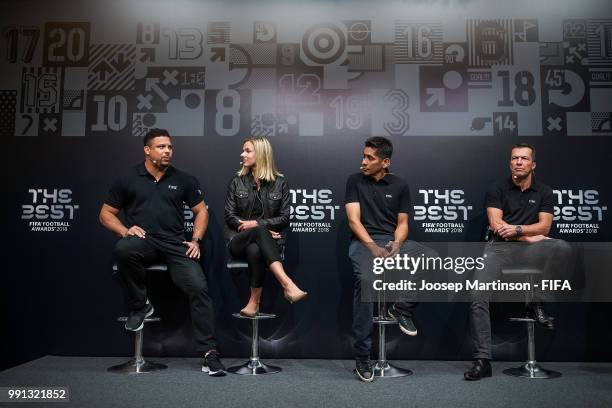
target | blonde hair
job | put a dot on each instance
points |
(265, 168)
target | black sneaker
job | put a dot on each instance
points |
(212, 365)
(135, 320)
(405, 322)
(364, 370)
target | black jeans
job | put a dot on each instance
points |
(363, 311)
(551, 255)
(133, 254)
(257, 246)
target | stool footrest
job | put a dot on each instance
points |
(146, 320)
(237, 265)
(521, 319)
(258, 316)
(384, 320)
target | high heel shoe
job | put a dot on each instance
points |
(249, 312)
(292, 298)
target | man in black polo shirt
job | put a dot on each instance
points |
(520, 214)
(152, 195)
(377, 207)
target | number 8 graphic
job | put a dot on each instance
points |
(232, 111)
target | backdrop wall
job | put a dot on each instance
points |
(452, 83)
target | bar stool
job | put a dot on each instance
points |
(531, 369)
(254, 366)
(138, 364)
(382, 368)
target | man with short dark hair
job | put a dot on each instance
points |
(520, 214)
(377, 206)
(152, 196)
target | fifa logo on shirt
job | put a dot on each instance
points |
(582, 207)
(312, 210)
(50, 210)
(444, 205)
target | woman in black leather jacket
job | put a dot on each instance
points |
(256, 211)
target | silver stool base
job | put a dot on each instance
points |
(134, 367)
(382, 367)
(385, 369)
(532, 370)
(254, 367)
(137, 365)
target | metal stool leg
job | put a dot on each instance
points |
(531, 369)
(254, 366)
(138, 364)
(382, 368)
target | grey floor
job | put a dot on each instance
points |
(310, 383)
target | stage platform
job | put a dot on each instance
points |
(310, 383)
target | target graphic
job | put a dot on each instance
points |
(323, 43)
(359, 32)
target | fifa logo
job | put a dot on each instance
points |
(312, 204)
(54, 204)
(446, 205)
(578, 205)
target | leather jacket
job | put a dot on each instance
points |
(241, 198)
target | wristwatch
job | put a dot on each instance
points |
(519, 230)
(196, 240)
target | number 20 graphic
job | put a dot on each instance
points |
(66, 44)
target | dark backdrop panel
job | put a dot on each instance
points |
(75, 99)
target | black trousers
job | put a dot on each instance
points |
(363, 311)
(551, 255)
(257, 246)
(133, 254)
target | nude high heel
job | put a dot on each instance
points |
(295, 297)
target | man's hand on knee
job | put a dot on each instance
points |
(193, 249)
(393, 248)
(135, 230)
(377, 252)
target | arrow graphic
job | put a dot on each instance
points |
(152, 84)
(435, 95)
(218, 53)
(148, 54)
(102, 70)
(283, 128)
(121, 63)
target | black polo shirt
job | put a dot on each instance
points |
(380, 201)
(520, 207)
(155, 206)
